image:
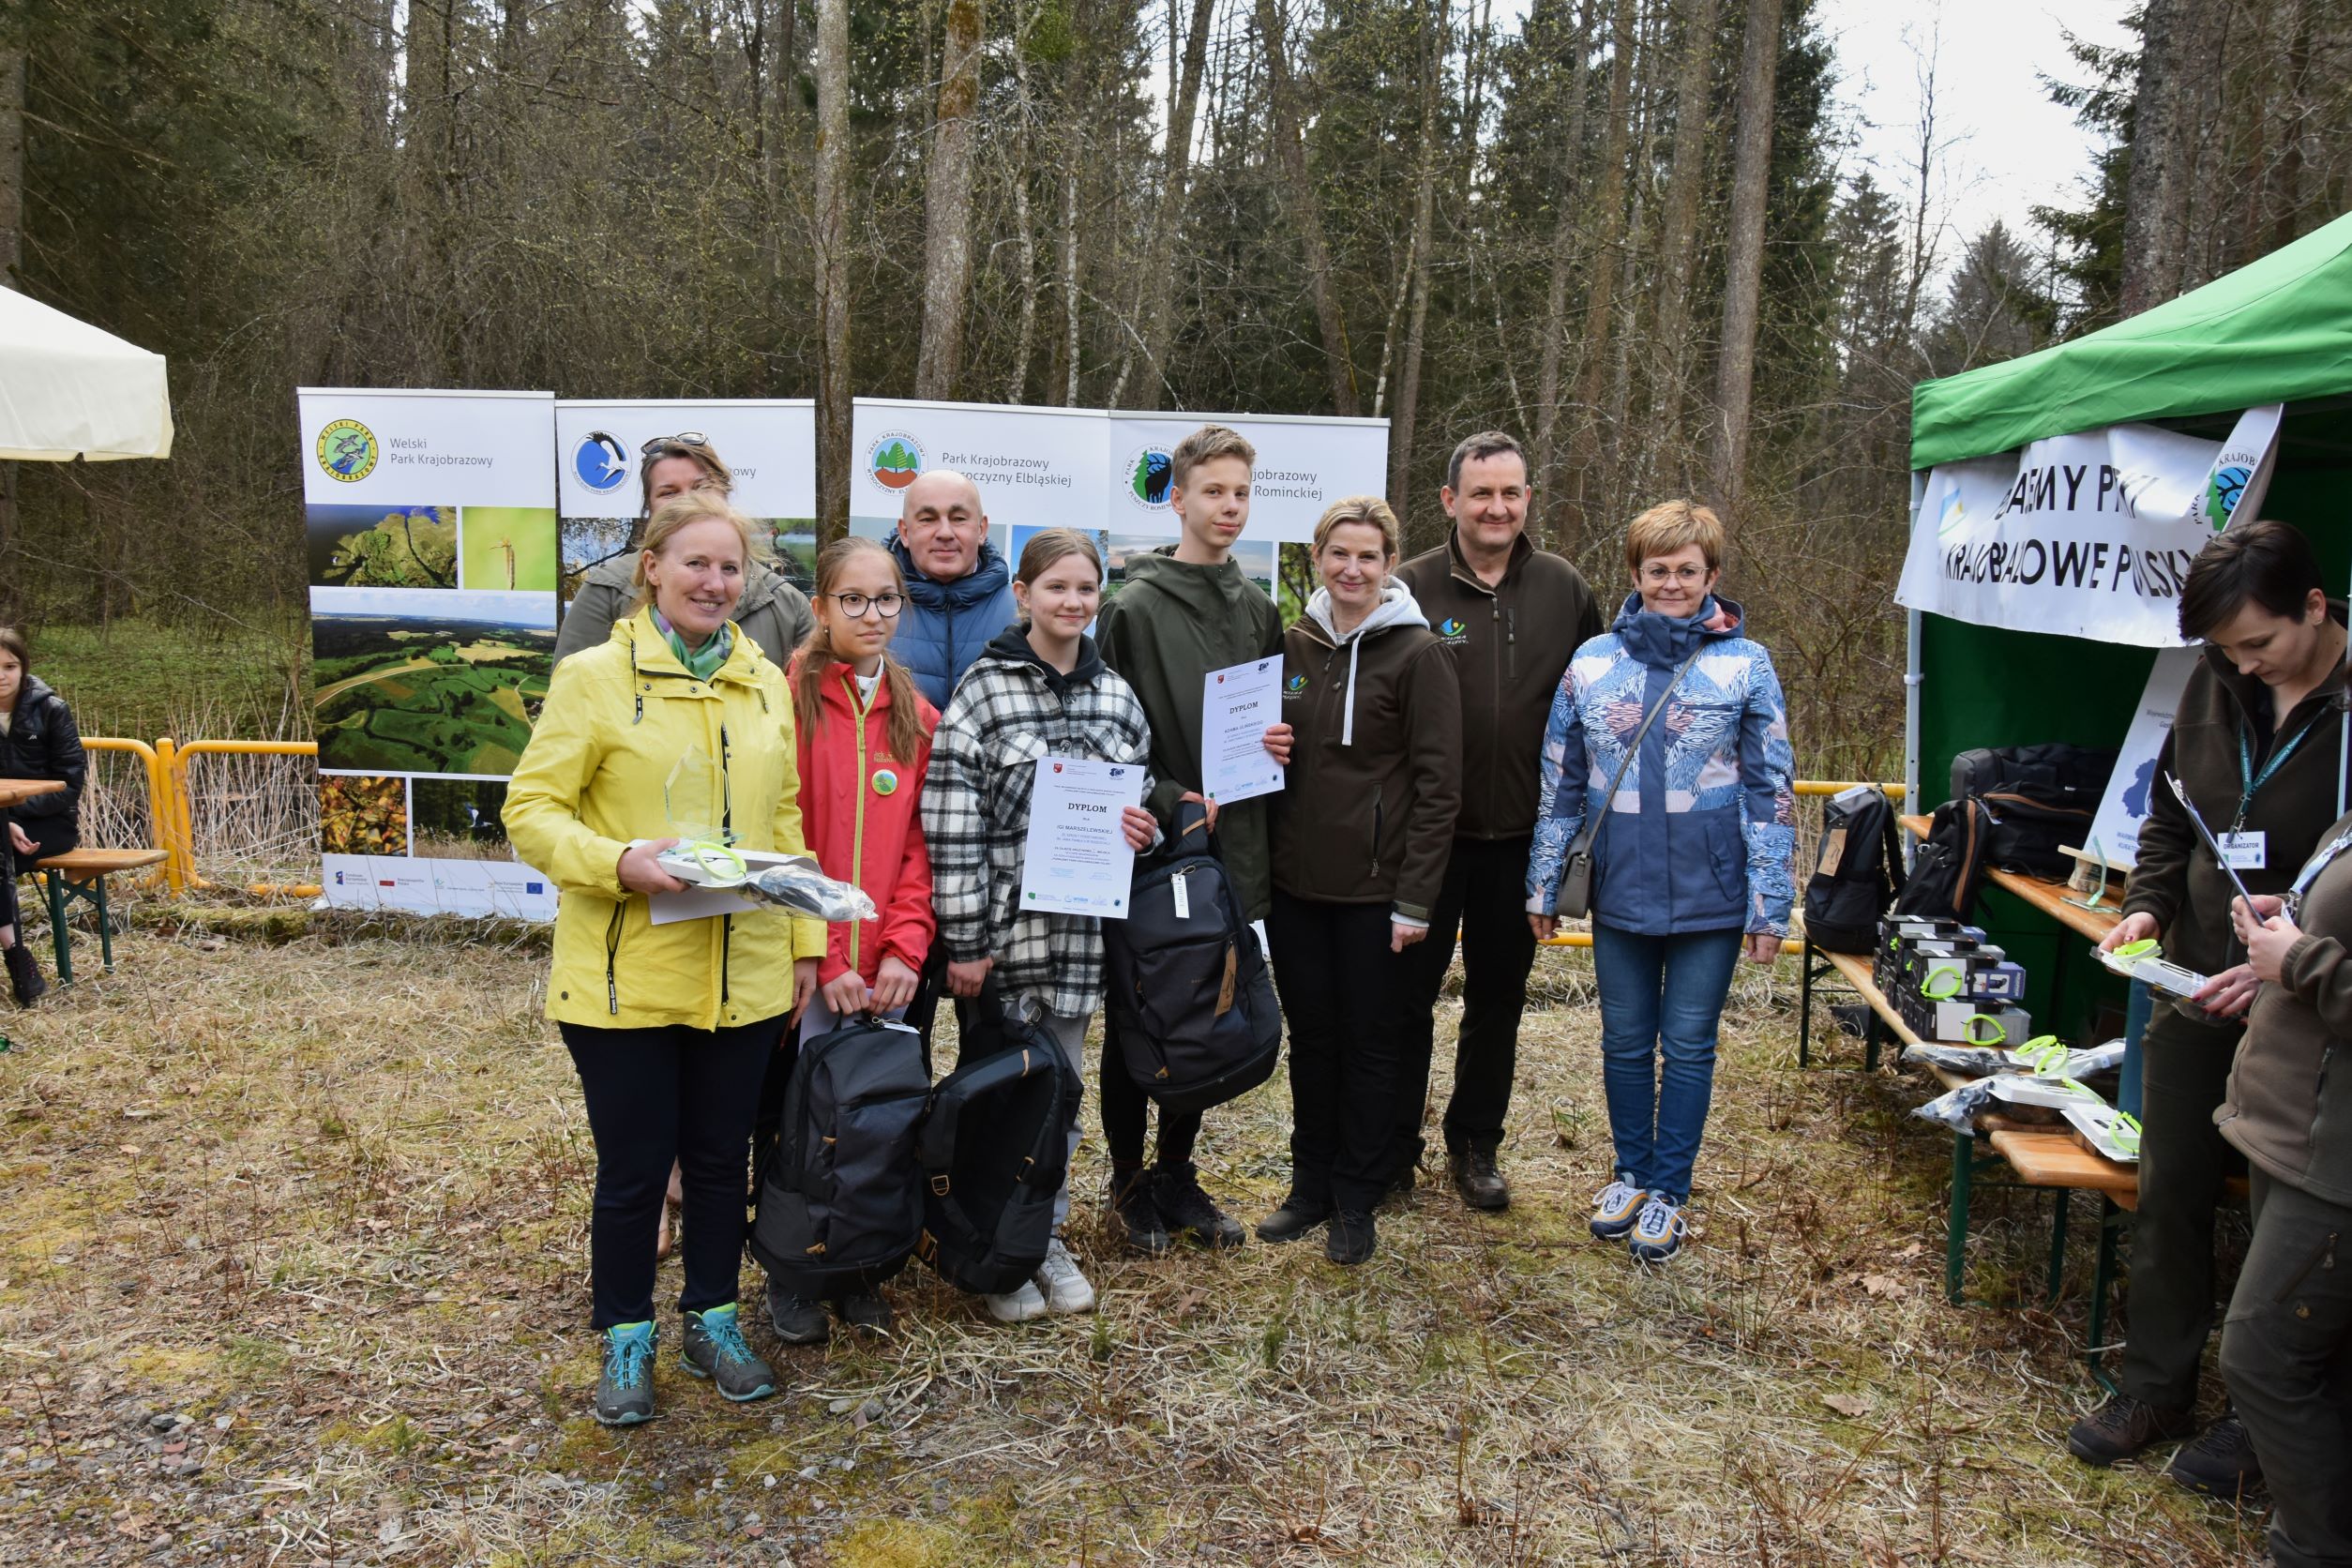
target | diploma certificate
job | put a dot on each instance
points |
(1075, 860)
(1238, 706)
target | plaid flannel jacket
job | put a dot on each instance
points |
(1003, 717)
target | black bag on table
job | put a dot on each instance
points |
(994, 1151)
(2040, 798)
(1947, 869)
(841, 1198)
(1858, 875)
(1194, 1001)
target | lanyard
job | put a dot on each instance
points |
(2315, 864)
(2250, 781)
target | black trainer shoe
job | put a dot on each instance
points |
(797, 1320)
(865, 1311)
(624, 1392)
(1295, 1218)
(715, 1348)
(24, 976)
(2124, 1426)
(1348, 1238)
(1399, 1196)
(2221, 1463)
(1476, 1179)
(1188, 1211)
(1133, 1218)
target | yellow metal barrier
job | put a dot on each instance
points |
(166, 766)
(175, 759)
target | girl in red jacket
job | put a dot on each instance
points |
(865, 737)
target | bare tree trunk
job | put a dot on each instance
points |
(11, 262)
(1069, 277)
(1678, 235)
(947, 201)
(2157, 187)
(831, 245)
(1607, 255)
(1155, 297)
(1400, 435)
(1744, 282)
(2284, 197)
(1306, 209)
(1555, 336)
(1024, 220)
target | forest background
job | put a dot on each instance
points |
(1630, 230)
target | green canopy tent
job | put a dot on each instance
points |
(2278, 330)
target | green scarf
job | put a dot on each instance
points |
(700, 663)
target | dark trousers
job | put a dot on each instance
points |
(1127, 1108)
(2184, 1067)
(1486, 895)
(1344, 996)
(654, 1096)
(50, 836)
(2286, 1353)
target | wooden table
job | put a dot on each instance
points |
(2048, 897)
(15, 791)
(2043, 1157)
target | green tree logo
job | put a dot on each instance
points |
(894, 460)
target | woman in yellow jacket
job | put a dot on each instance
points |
(670, 1027)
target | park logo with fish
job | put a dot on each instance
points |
(348, 451)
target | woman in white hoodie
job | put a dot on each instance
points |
(1361, 833)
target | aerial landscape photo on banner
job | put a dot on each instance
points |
(433, 554)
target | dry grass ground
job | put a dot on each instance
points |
(292, 1271)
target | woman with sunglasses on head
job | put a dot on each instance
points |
(865, 743)
(773, 613)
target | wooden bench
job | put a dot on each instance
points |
(80, 874)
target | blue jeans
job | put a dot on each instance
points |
(1660, 996)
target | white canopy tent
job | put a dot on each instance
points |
(69, 390)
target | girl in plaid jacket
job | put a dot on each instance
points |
(1040, 689)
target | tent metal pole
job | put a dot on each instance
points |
(1912, 677)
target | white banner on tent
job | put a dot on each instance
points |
(769, 445)
(430, 539)
(2085, 536)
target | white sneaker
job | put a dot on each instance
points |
(1066, 1289)
(1017, 1306)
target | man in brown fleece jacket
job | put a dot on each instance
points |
(2256, 741)
(2287, 1346)
(1513, 616)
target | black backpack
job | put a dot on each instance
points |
(1859, 874)
(1948, 870)
(994, 1151)
(840, 1196)
(2039, 798)
(1189, 991)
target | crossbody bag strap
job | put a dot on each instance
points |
(1591, 818)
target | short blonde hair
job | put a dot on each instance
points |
(1671, 526)
(1207, 442)
(1368, 509)
(683, 511)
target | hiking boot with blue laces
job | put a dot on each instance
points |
(1176, 1193)
(624, 1394)
(715, 1348)
(1658, 1230)
(1616, 1208)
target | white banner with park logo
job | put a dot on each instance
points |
(430, 534)
(769, 445)
(2084, 536)
(1106, 474)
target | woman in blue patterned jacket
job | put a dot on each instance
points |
(1692, 862)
